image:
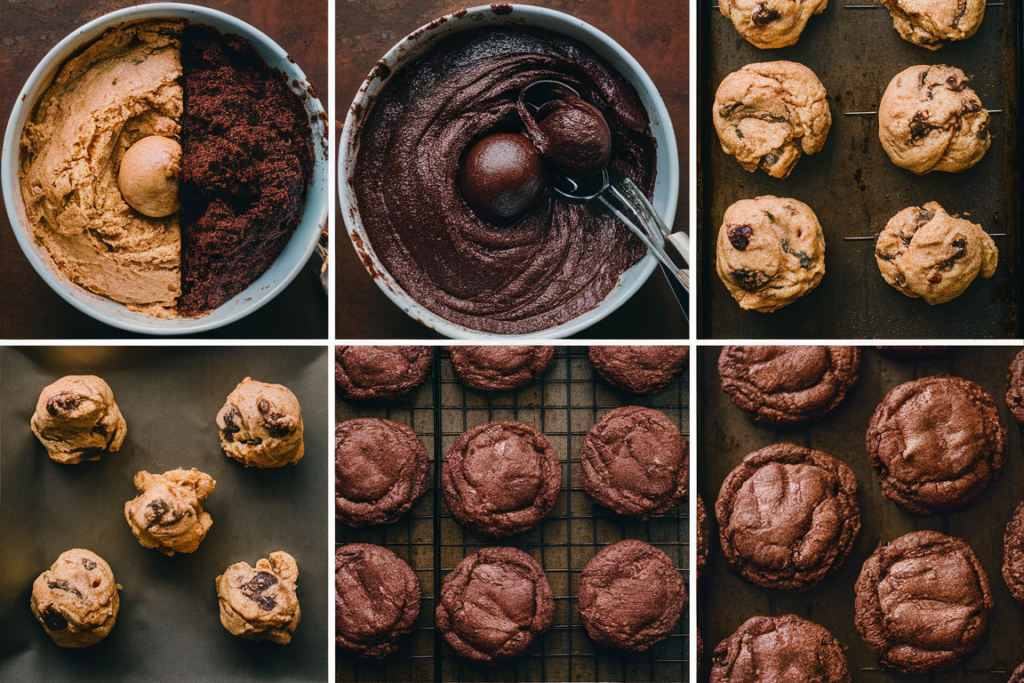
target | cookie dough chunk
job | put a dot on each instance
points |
(261, 425)
(365, 373)
(702, 537)
(771, 251)
(1013, 555)
(929, 22)
(168, 512)
(1015, 388)
(769, 113)
(923, 603)
(376, 599)
(770, 24)
(630, 596)
(930, 120)
(494, 604)
(788, 516)
(77, 419)
(380, 469)
(937, 444)
(260, 603)
(636, 462)
(76, 599)
(639, 369)
(785, 648)
(494, 368)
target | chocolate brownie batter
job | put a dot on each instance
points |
(639, 369)
(365, 373)
(636, 462)
(1015, 388)
(923, 603)
(1013, 555)
(785, 648)
(937, 444)
(247, 158)
(501, 478)
(557, 261)
(376, 599)
(913, 352)
(702, 537)
(494, 603)
(380, 469)
(788, 386)
(631, 596)
(493, 368)
(788, 516)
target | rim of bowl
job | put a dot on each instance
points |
(415, 44)
(257, 294)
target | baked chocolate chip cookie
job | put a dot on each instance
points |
(1015, 388)
(785, 648)
(769, 24)
(168, 513)
(1013, 554)
(929, 22)
(76, 599)
(76, 419)
(365, 373)
(495, 368)
(259, 603)
(639, 369)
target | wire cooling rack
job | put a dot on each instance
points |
(564, 405)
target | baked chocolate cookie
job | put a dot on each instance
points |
(639, 369)
(937, 444)
(1013, 555)
(787, 516)
(376, 599)
(923, 603)
(788, 386)
(928, 22)
(785, 648)
(1015, 388)
(494, 368)
(493, 604)
(1018, 675)
(501, 478)
(913, 352)
(769, 24)
(630, 596)
(366, 373)
(702, 537)
(380, 469)
(636, 462)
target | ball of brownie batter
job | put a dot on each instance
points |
(788, 386)
(630, 596)
(1013, 555)
(493, 604)
(494, 368)
(937, 444)
(365, 373)
(923, 603)
(771, 24)
(261, 425)
(77, 419)
(928, 22)
(788, 516)
(1015, 388)
(76, 599)
(636, 462)
(168, 512)
(380, 469)
(639, 369)
(913, 352)
(501, 478)
(376, 599)
(702, 537)
(259, 603)
(785, 648)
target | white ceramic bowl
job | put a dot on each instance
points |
(666, 189)
(287, 265)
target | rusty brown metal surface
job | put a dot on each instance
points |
(726, 435)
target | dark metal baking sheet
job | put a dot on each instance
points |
(168, 626)
(564, 405)
(855, 189)
(726, 435)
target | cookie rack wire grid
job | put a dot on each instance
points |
(564, 405)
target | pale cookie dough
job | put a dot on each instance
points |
(768, 114)
(928, 22)
(76, 599)
(771, 252)
(771, 23)
(924, 252)
(149, 176)
(930, 120)
(77, 419)
(261, 425)
(260, 603)
(168, 513)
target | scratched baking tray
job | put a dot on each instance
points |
(855, 189)
(727, 435)
(168, 626)
(564, 406)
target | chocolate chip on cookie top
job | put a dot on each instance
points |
(639, 369)
(1015, 388)
(788, 386)
(366, 373)
(769, 24)
(1013, 555)
(928, 22)
(923, 603)
(937, 444)
(784, 648)
(493, 368)
(788, 516)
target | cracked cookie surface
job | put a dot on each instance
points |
(168, 512)
(261, 425)
(639, 369)
(784, 648)
(76, 599)
(771, 24)
(376, 599)
(929, 22)
(76, 419)
(496, 368)
(259, 603)
(370, 373)
(1013, 554)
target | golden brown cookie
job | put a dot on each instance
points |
(77, 419)
(928, 22)
(260, 603)
(771, 24)
(168, 512)
(76, 599)
(261, 425)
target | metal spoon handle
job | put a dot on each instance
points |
(644, 221)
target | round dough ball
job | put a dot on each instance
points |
(928, 22)
(770, 24)
(261, 425)
(77, 419)
(168, 513)
(76, 599)
(260, 603)
(149, 176)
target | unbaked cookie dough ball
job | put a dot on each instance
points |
(260, 603)
(76, 599)
(930, 120)
(771, 23)
(924, 252)
(928, 22)
(769, 113)
(149, 173)
(168, 513)
(261, 425)
(771, 252)
(77, 419)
